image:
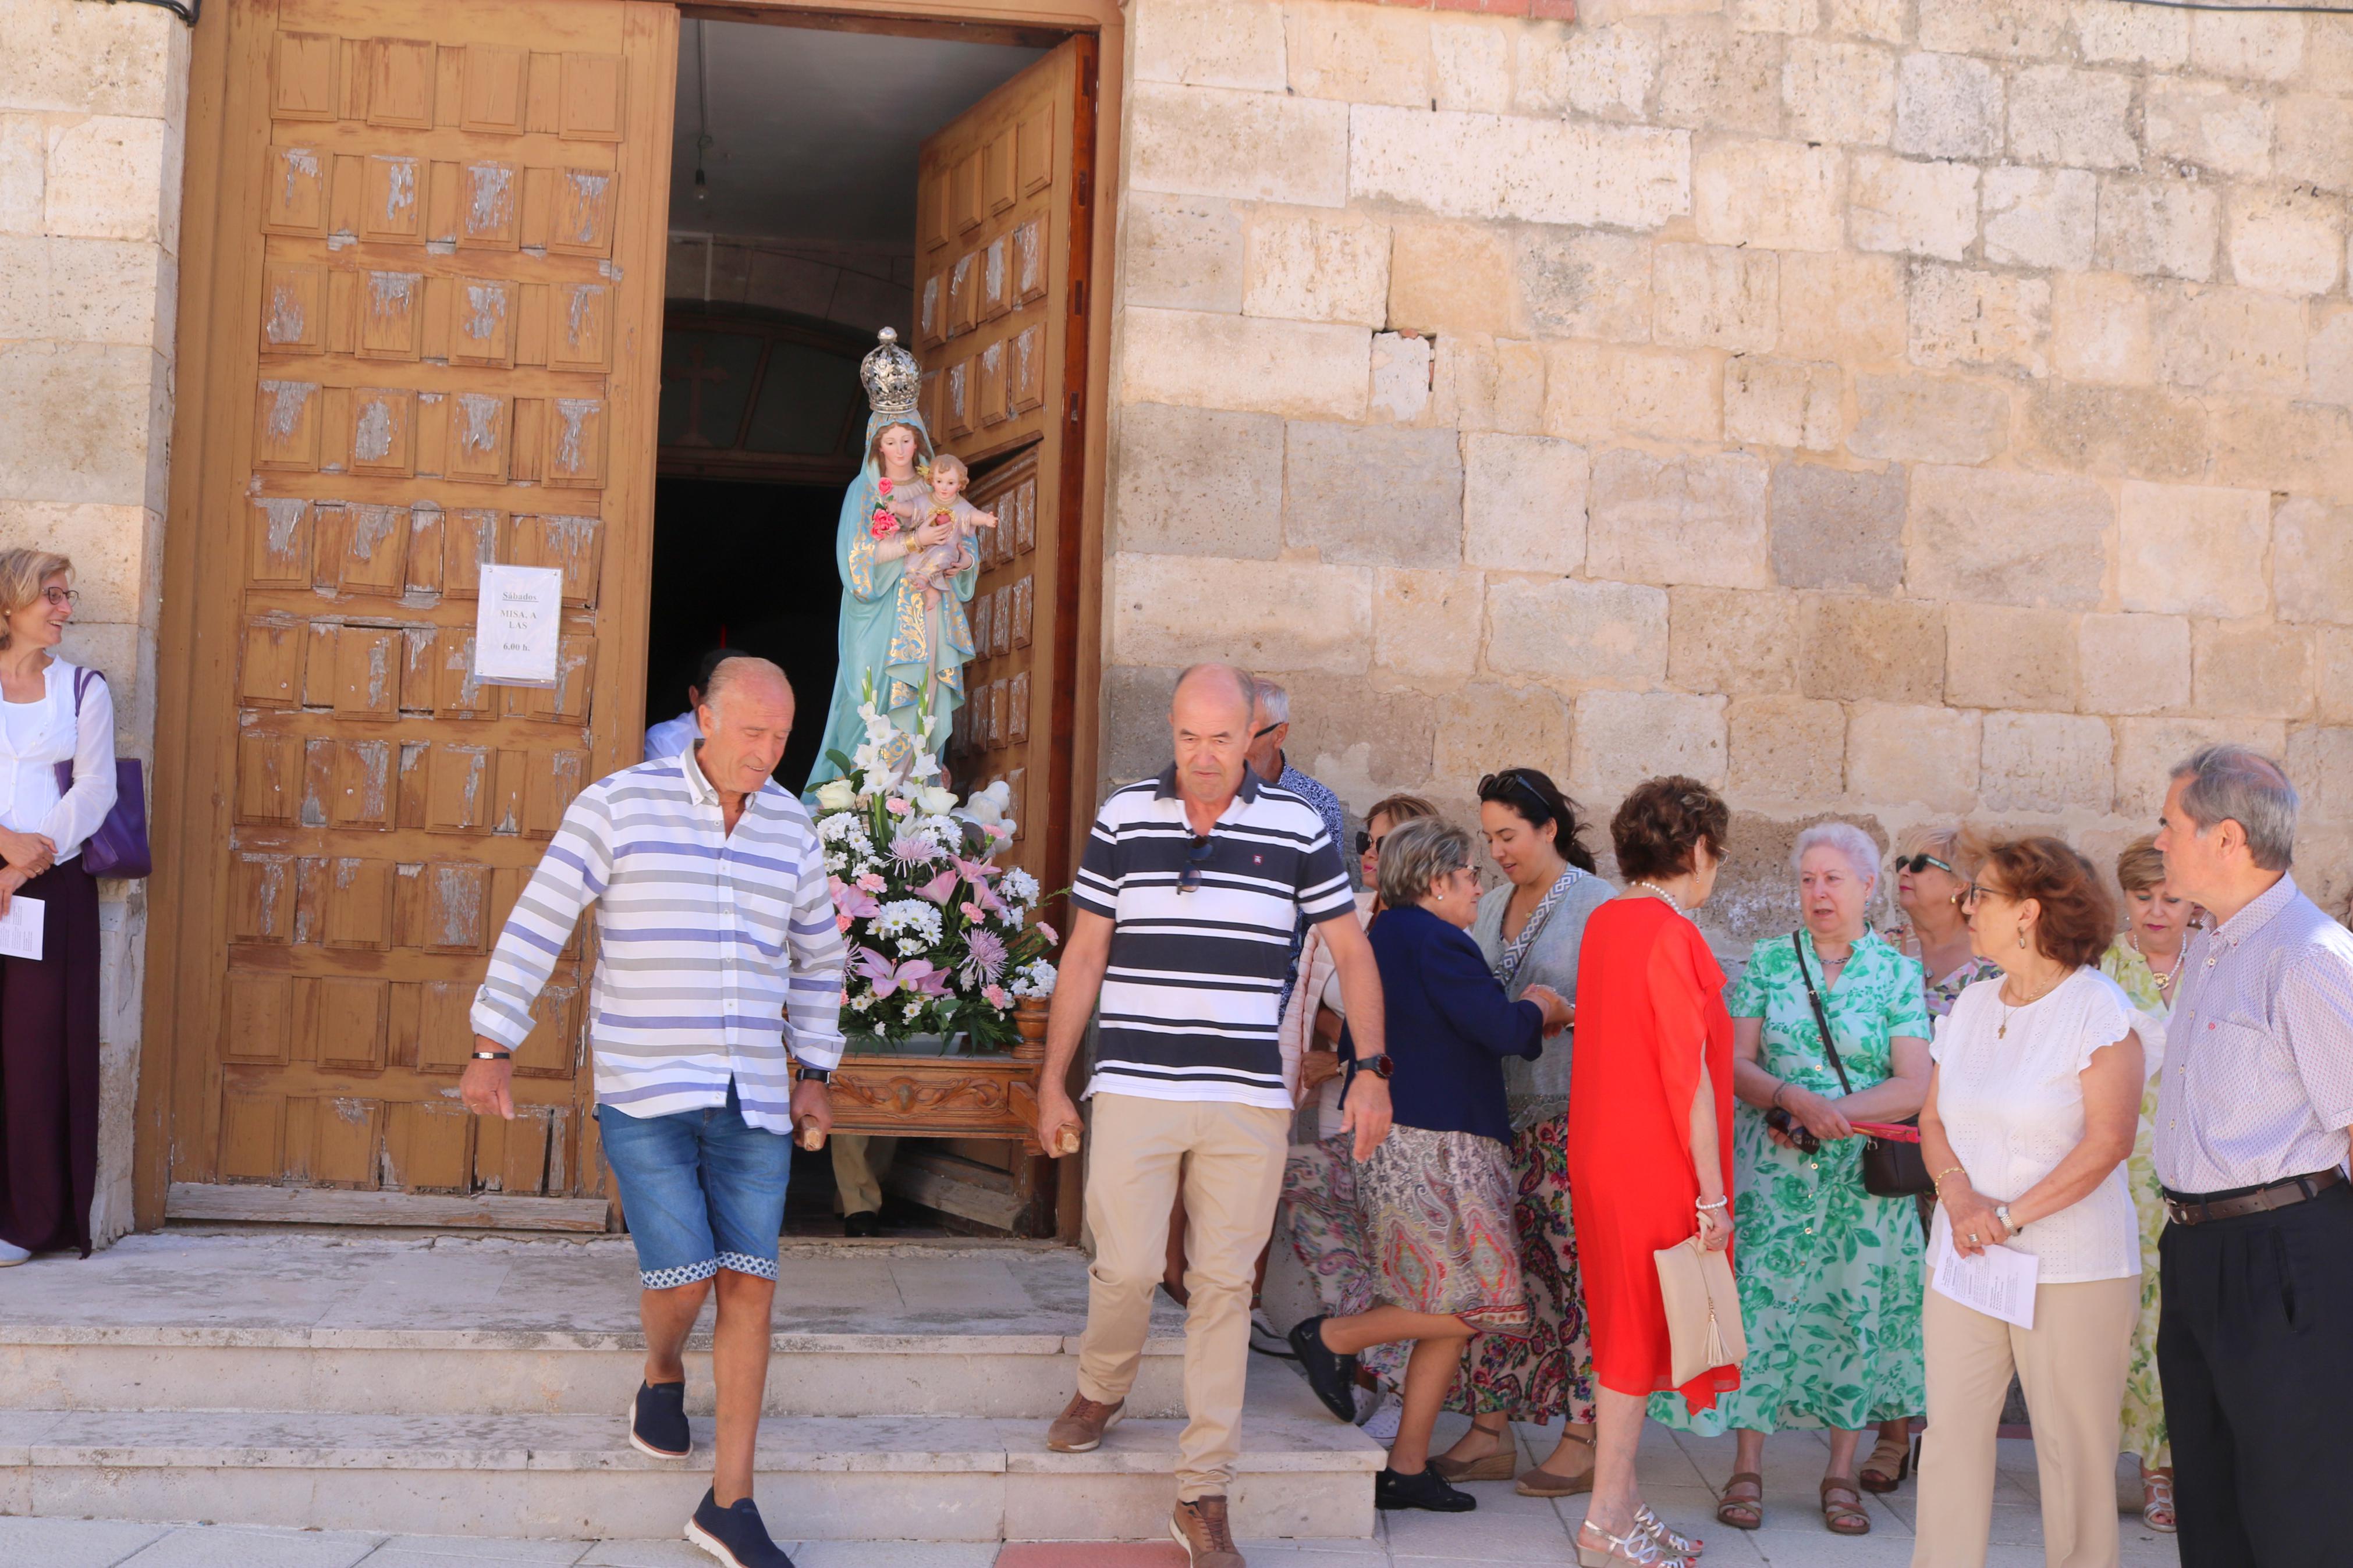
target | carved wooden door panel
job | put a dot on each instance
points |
(452, 319)
(1002, 212)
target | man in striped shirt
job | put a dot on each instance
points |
(717, 951)
(1184, 905)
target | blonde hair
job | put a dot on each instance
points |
(947, 463)
(1961, 847)
(22, 574)
(2139, 865)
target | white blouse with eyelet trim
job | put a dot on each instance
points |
(29, 799)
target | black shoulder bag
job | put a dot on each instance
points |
(1890, 1170)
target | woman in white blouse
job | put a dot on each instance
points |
(48, 1005)
(2030, 1112)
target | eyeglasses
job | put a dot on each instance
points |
(1969, 897)
(1915, 864)
(1367, 844)
(1197, 862)
(1271, 729)
(66, 596)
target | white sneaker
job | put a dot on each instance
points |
(1381, 1416)
(1266, 1338)
(12, 1254)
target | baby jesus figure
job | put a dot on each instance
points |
(930, 569)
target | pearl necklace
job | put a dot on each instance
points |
(2165, 981)
(1673, 902)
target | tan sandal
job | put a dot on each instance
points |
(1843, 1518)
(1499, 1466)
(1889, 1463)
(1743, 1513)
(1538, 1482)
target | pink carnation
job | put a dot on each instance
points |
(996, 996)
(1048, 932)
(842, 922)
(896, 806)
(872, 881)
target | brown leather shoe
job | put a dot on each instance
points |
(1080, 1427)
(1200, 1528)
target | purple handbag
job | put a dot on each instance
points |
(119, 847)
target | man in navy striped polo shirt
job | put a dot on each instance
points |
(1184, 905)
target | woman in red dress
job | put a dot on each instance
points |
(1650, 1137)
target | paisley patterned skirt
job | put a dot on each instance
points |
(1437, 1210)
(1327, 1236)
(1548, 1372)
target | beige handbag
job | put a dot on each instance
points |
(1703, 1309)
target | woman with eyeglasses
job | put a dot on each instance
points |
(54, 717)
(1529, 931)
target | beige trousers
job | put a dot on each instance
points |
(2073, 1364)
(1228, 1160)
(859, 1161)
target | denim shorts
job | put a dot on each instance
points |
(702, 1191)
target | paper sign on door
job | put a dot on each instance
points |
(20, 929)
(518, 636)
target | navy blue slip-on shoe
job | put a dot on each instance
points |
(1332, 1375)
(734, 1534)
(657, 1421)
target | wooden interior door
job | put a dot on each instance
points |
(443, 252)
(1003, 220)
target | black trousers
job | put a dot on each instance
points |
(2256, 1352)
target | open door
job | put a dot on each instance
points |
(433, 258)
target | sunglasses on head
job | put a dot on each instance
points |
(1514, 778)
(1915, 864)
(1197, 862)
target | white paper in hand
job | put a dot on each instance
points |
(1997, 1282)
(20, 929)
(519, 633)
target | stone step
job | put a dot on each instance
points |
(576, 1476)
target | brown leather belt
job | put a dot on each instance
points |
(2196, 1209)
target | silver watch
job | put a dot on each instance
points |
(2001, 1213)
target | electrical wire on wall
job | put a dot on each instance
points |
(701, 111)
(185, 13)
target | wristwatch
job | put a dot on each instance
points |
(815, 1075)
(1379, 1065)
(2001, 1213)
(493, 1056)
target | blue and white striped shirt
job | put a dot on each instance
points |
(715, 950)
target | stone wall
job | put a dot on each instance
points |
(1898, 409)
(93, 104)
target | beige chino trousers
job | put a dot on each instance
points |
(1228, 1160)
(2073, 1364)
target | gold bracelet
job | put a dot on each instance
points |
(1937, 1181)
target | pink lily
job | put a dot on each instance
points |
(939, 888)
(854, 902)
(917, 976)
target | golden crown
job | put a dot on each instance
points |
(894, 383)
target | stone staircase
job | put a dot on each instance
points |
(476, 1386)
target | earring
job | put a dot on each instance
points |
(2021, 939)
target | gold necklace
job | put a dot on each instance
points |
(2003, 1033)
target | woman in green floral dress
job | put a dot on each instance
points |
(1830, 1276)
(2144, 961)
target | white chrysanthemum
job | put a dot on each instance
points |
(1019, 885)
(1036, 978)
(914, 1011)
(860, 1004)
(910, 916)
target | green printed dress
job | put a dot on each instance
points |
(2144, 1413)
(1831, 1277)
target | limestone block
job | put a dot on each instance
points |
(1715, 296)
(2276, 444)
(2312, 561)
(2327, 52)
(1484, 723)
(2003, 29)
(2030, 540)
(1198, 481)
(1860, 647)
(1495, 166)
(1427, 623)
(77, 421)
(1783, 402)
(1523, 501)
(1452, 277)
(2257, 46)
(1609, 13)
(1775, 15)
(2131, 35)
(1947, 106)
(2330, 360)
(1489, 383)
(118, 552)
(1680, 520)
(1599, 70)
(1253, 146)
(1210, 43)
(1376, 55)
(2046, 763)
(1717, 77)
(2134, 664)
(2207, 123)
(2320, 765)
(1998, 656)
(1786, 749)
(2333, 653)
(1621, 738)
(1926, 209)
(2232, 340)
(2039, 218)
(1844, 308)
(1390, 496)
(2099, 328)
(1183, 252)
(1581, 634)
(1888, 21)
(2149, 750)
(67, 58)
(25, 295)
(1838, 528)
(1471, 65)
(1778, 196)
(1731, 640)
(2286, 242)
(1961, 316)
(1585, 284)
(1362, 745)
(2255, 671)
(1402, 377)
(1899, 753)
(1838, 91)
(1265, 615)
(92, 290)
(106, 178)
(2138, 431)
(2078, 118)
(2315, 140)
(1930, 418)
(1309, 268)
(2194, 549)
(2168, 226)
(1596, 390)
(24, 163)
(1209, 361)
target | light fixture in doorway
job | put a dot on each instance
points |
(701, 112)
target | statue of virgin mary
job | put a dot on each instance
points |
(901, 654)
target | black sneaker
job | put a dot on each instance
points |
(734, 1534)
(657, 1421)
(1332, 1375)
(1425, 1488)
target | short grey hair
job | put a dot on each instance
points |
(739, 667)
(2239, 784)
(1848, 840)
(1236, 679)
(1414, 856)
(1274, 699)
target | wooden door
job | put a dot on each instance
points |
(439, 261)
(1003, 221)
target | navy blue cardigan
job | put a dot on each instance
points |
(1450, 1026)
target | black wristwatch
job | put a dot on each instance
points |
(1380, 1067)
(815, 1075)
